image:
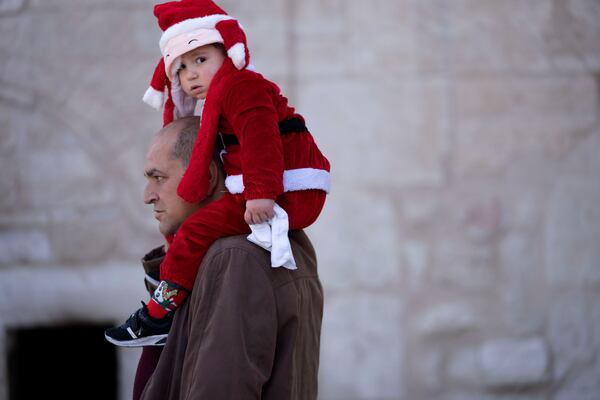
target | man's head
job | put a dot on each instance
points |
(166, 161)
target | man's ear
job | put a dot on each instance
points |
(214, 179)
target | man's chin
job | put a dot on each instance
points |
(166, 229)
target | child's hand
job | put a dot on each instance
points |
(258, 211)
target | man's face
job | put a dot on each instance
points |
(163, 174)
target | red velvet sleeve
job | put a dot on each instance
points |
(249, 107)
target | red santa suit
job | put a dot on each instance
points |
(269, 152)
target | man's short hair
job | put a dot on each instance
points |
(186, 137)
(187, 131)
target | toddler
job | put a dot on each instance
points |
(276, 174)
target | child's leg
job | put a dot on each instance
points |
(224, 217)
(303, 207)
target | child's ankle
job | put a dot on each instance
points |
(155, 310)
(167, 297)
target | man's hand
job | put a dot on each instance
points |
(258, 211)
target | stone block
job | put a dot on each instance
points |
(426, 368)
(56, 294)
(334, 38)
(569, 333)
(362, 354)
(572, 229)
(497, 35)
(507, 363)
(74, 34)
(408, 151)
(522, 210)
(502, 121)
(387, 47)
(9, 182)
(25, 246)
(11, 7)
(88, 234)
(98, 108)
(48, 5)
(420, 208)
(416, 259)
(594, 318)
(477, 395)
(572, 35)
(447, 320)
(467, 267)
(508, 36)
(582, 385)
(524, 296)
(312, 32)
(268, 28)
(464, 369)
(356, 248)
(79, 183)
(482, 220)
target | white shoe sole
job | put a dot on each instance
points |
(139, 342)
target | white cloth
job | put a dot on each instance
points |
(273, 236)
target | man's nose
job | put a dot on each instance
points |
(150, 195)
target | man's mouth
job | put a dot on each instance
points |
(157, 213)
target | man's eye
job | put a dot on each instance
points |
(159, 178)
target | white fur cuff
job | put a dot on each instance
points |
(293, 180)
(237, 53)
(154, 98)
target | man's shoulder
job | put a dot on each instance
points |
(232, 251)
(298, 239)
(233, 242)
(235, 251)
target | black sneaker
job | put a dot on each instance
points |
(141, 329)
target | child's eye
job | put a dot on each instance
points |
(181, 68)
(200, 60)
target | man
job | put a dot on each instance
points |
(248, 331)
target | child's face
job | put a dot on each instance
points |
(198, 67)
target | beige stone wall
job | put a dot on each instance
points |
(460, 247)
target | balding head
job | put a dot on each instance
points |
(185, 131)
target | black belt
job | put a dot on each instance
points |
(292, 125)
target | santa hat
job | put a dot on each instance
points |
(186, 25)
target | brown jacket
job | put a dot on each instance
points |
(247, 331)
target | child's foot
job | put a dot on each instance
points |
(141, 329)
